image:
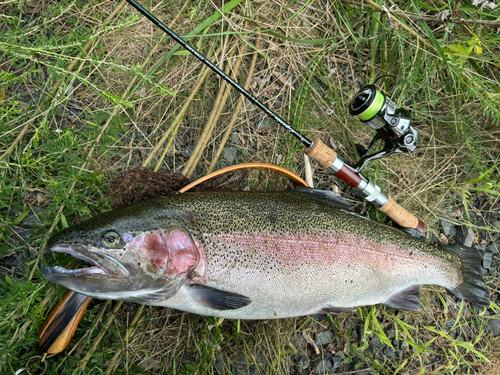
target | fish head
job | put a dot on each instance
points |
(134, 256)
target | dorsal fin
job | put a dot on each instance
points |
(326, 196)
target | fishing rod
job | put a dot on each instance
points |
(375, 109)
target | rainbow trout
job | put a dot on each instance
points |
(246, 255)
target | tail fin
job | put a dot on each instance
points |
(472, 288)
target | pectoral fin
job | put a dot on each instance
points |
(217, 299)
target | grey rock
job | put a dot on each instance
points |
(299, 341)
(480, 247)
(372, 350)
(250, 365)
(262, 123)
(404, 345)
(324, 366)
(493, 327)
(396, 343)
(492, 216)
(336, 362)
(340, 354)
(229, 154)
(188, 151)
(377, 342)
(302, 362)
(323, 338)
(448, 327)
(496, 224)
(466, 332)
(389, 352)
(278, 103)
(448, 228)
(235, 139)
(69, 90)
(465, 235)
(492, 247)
(487, 259)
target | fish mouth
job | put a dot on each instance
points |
(101, 265)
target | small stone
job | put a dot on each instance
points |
(465, 235)
(389, 352)
(492, 216)
(188, 151)
(487, 259)
(496, 224)
(448, 228)
(377, 342)
(235, 139)
(323, 367)
(230, 154)
(480, 247)
(336, 362)
(340, 354)
(323, 338)
(299, 341)
(302, 362)
(492, 247)
(466, 332)
(404, 345)
(396, 343)
(262, 123)
(69, 90)
(493, 327)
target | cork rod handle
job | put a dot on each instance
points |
(325, 156)
(401, 215)
(320, 152)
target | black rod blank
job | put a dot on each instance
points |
(221, 74)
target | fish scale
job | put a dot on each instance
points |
(262, 255)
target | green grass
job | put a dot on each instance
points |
(93, 105)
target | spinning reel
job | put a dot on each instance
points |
(391, 124)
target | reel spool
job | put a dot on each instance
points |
(391, 124)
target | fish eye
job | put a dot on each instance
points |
(111, 239)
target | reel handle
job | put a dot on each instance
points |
(329, 159)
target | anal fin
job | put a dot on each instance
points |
(217, 299)
(408, 299)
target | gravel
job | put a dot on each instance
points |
(487, 260)
(324, 366)
(323, 338)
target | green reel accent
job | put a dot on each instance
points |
(374, 107)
